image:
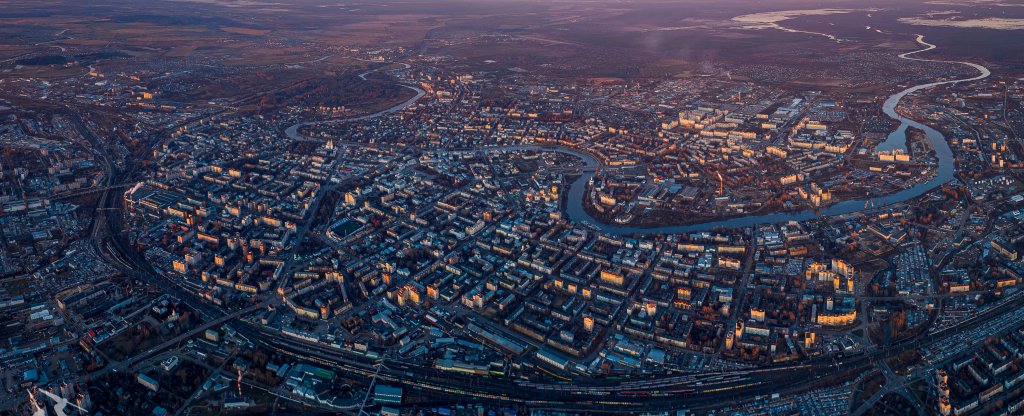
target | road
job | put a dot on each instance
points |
(741, 290)
(124, 364)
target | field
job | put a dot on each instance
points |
(644, 39)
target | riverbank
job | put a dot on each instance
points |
(943, 173)
(575, 200)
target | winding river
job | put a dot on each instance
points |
(293, 131)
(895, 140)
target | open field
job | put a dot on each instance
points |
(644, 40)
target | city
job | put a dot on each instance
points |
(546, 208)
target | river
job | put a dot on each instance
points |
(897, 139)
(293, 131)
